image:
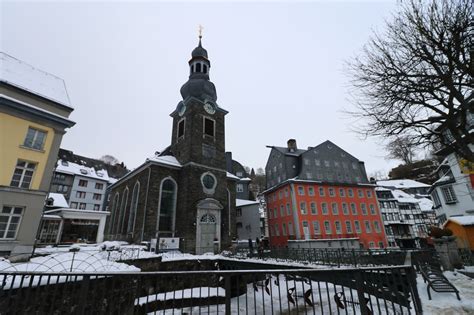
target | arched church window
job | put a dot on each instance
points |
(204, 68)
(198, 67)
(114, 214)
(133, 208)
(167, 205)
(123, 209)
(208, 218)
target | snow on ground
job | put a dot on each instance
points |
(69, 262)
(281, 296)
(447, 303)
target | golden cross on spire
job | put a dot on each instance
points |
(200, 28)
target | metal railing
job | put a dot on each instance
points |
(388, 290)
(333, 257)
(467, 256)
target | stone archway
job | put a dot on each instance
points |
(208, 226)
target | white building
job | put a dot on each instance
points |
(61, 224)
(406, 218)
(409, 186)
(88, 186)
(247, 218)
(453, 193)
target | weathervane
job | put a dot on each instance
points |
(200, 28)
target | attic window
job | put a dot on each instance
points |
(64, 163)
(83, 171)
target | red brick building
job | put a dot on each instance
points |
(321, 193)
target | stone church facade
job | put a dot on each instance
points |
(184, 191)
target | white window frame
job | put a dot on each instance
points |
(204, 127)
(316, 228)
(338, 230)
(301, 191)
(240, 188)
(303, 208)
(349, 227)
(323, 204)
(11, 215)
(29, 166)
(367, 226)
(34, 144)
(183, 120)
(327, 227)
(448, 194)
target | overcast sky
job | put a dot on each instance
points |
(278, 68)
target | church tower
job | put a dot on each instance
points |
(185, 191)
(198, 122)
(206, 195)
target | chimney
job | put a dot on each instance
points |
(292, 145)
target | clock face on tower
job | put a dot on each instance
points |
(181, 109)
(209, 108)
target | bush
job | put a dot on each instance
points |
(436, 232)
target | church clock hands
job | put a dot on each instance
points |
(209, 108)
(181, 109)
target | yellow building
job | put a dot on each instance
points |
(463, 229)
(34, 111)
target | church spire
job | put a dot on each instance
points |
(199, 85)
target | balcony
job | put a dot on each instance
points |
(404, 237)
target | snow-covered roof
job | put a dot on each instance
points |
(245, 179)
(463, 220)
(58, 200)
(243, 202)
(401, 183)
(26, 77)
(425, 204)
(51, 217)
(34, 107)
(113, 180)
(403, 197)
(76, 169)
(445, 178)
(378, 188)
(165, 160)
(232, 176)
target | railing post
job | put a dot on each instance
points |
(411, 274)
(83, 294)
(360, 293)
(227, 288)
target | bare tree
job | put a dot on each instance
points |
(416, 79)
(403, 149)
(109, 159)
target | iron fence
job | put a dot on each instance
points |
(388, 290)
(467, 256)
(335, 257)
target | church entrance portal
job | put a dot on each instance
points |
(208, 231)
